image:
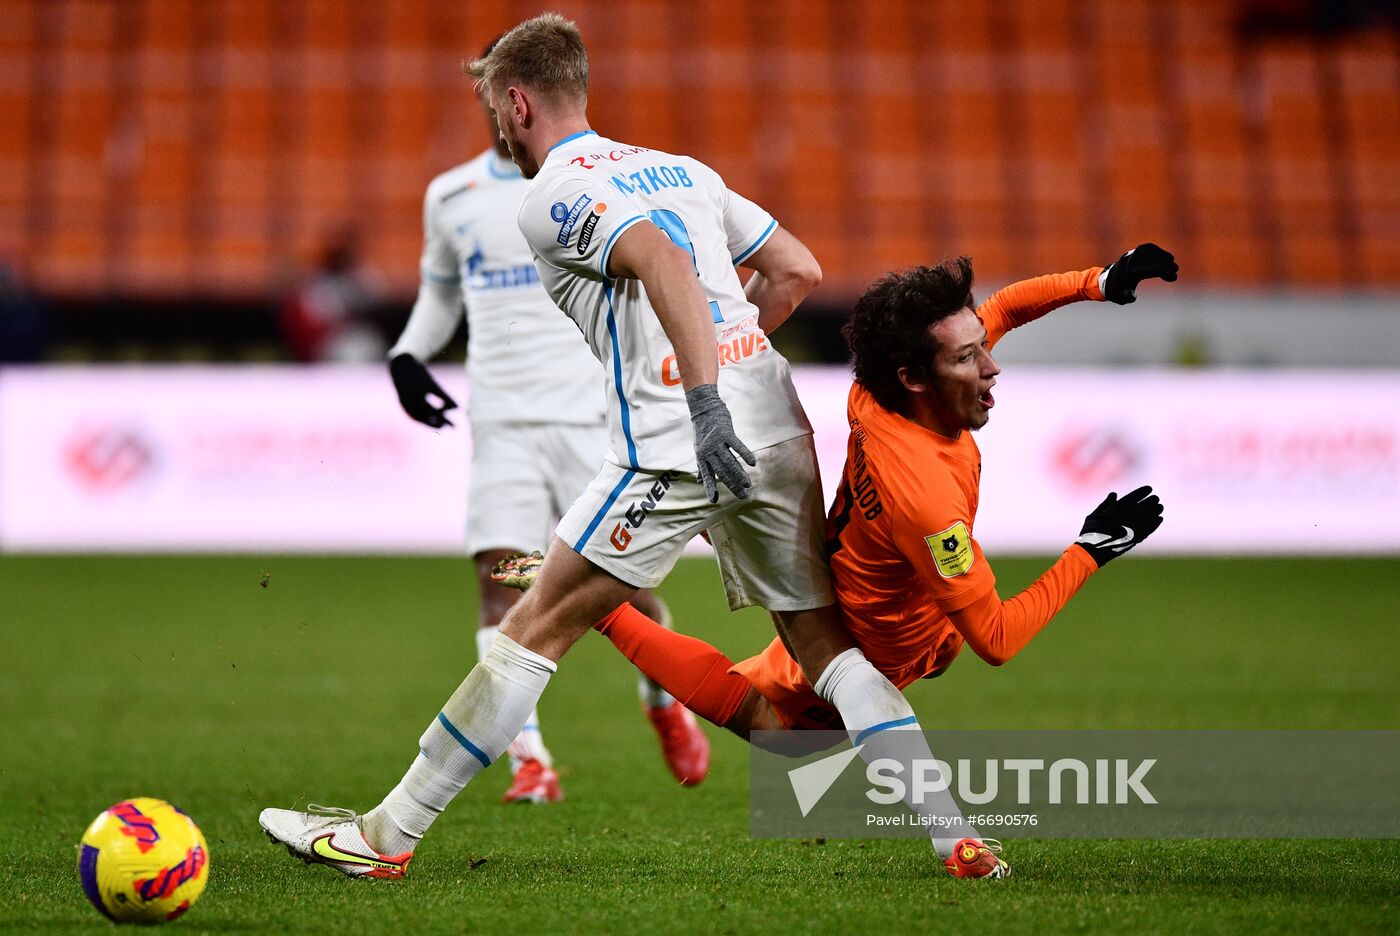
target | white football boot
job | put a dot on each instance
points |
(330, 836)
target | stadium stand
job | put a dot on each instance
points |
(162, 148)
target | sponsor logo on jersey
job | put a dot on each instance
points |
(609, 156)
(730, 352)
(952, 550)
(460, 190)
(513, 277)
(636, 513)
(585, 233)
(566, 226)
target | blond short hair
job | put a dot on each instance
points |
(545, 54)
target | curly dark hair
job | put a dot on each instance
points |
(890, 327)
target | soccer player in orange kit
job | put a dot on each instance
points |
(911, 580)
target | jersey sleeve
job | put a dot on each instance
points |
(954, 571)
(746, 225)
(438, 308)
(934, 535)
(572, 223)
(439, 262)
(1028, 300)
(997, 630)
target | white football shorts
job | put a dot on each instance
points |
(524, 477)
(634, 524)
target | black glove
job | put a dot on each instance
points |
(414, 383)
(1116, 526)
(1145, 261)
(714, 439)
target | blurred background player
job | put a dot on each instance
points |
(639, 247)
(536, 413)
(911, 580)
(330, 315)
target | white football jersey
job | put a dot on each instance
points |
(525, 360)
(588, 192)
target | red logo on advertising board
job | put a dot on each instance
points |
(108, 458)
(1094, 457)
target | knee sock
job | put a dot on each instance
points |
(882, 724)
(529, 744)
(691, 670)
(473, 729)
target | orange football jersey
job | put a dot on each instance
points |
(911, 579)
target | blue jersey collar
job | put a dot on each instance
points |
(570, 138)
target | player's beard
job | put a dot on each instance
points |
(967, 414)
(521, 157)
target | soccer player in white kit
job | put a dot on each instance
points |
(536, 413)
(639, 249)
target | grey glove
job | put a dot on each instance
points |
(714, 439)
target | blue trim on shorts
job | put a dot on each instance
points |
(897, 723)
(603, 511)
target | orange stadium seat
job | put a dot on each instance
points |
(1028, 132)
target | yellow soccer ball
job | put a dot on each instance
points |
(143, 861)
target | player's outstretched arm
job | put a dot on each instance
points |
(997, 630)
(1028, 300)
(784, 273)
(644, 253)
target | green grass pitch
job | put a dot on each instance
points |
(182, 678)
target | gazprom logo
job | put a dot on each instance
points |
(569, 219)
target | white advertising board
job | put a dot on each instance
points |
(272, 459)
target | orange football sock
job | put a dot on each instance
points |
(691, 670)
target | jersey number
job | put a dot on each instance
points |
(674, 228)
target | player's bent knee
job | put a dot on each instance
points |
(755, 713)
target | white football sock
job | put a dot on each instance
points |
(882, 724)
(529, 744)
(473, 729)
(653, 696)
